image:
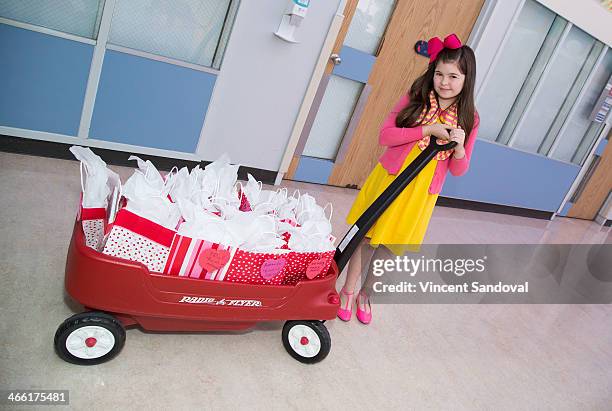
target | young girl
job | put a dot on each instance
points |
(441, 104)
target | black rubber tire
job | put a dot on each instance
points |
(90, 318)
(319, 328)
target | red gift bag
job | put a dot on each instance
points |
(283, 268)
(306, 266)
(257, 268)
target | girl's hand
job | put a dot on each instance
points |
(438, 130)
(448, 133)
(458, 135)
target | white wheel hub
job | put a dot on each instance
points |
(90, 342)
(304, 341)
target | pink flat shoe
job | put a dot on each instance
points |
(345, 313)
(365, 315)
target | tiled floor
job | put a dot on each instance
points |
(411, 357)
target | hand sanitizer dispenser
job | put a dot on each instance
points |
(294, 14)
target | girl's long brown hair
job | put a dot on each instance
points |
(419, 92)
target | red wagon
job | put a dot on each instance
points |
(119, 293)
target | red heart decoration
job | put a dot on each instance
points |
(213, 259)
(316, 267)
(272, 268)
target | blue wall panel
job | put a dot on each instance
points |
(601, 147)
(502, 175)
(42, 80)
(566, 209)
(356, 65)
(150, 103)
(313, 170)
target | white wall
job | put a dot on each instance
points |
(590, 15)
(262, 83)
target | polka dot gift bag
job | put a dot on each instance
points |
(304, 266)
(136, 238)
(282, 267)
(258, 268)
(94, 222)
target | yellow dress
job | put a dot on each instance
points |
(403, 224)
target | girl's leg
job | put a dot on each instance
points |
(358, 263)
(364, 309)
(368, 281)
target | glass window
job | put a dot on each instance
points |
(186, 30)
(333, 117)
(78, 17)
(554, 88)
(369, 24)
(551, 141)
(507, 78)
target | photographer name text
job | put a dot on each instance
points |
(430, 287)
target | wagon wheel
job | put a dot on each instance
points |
(89, 338)
(306, 341)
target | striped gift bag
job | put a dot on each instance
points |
(196, 258)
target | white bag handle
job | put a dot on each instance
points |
(282, 191)
(171, 172)
(172, 177)
(331, 210)
(298, 193)
(81, 172)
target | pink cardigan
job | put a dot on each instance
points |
(399, 141)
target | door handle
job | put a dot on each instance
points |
(336, 59)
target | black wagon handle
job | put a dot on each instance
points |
(357, 232)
